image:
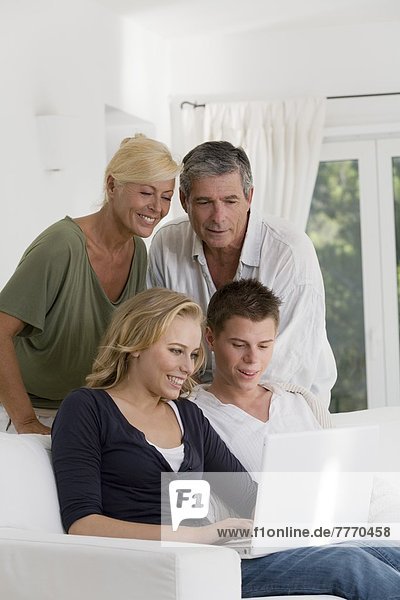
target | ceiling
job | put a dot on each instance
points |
(172, 18)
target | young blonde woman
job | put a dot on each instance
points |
(56, 306)
(114, 438)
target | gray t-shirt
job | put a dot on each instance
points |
(55, 291)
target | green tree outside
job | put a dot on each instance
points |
(334, 227)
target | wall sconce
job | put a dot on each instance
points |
(56, 141)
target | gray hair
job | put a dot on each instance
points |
(211, 159)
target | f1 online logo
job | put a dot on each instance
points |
(188, 499)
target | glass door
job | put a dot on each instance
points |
(354, 223)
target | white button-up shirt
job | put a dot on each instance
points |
(283, 258)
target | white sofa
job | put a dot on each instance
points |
(38, 561)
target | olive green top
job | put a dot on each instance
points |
(55, 291)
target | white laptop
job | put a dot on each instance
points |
(312, 480)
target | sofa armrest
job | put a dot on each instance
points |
(48, 566)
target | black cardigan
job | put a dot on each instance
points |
(104, 465)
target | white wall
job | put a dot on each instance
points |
(72, 57)
(268, 64)
(67, 58)
(335, 60)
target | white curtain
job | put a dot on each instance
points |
(192, 128)
(283, 141)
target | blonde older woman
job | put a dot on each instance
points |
(56, 306)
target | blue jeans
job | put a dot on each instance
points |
(356, 572)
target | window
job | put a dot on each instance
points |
(355, 226)
(334, 227)
(396, 193)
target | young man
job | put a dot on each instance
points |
(224, 239)
(242, 325)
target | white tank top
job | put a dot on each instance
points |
(173, 456)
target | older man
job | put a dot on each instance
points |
(223, 239)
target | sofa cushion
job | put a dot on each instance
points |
(28, 495)
(388, 420)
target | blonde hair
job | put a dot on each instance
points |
(140, 159)
(136, 325)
